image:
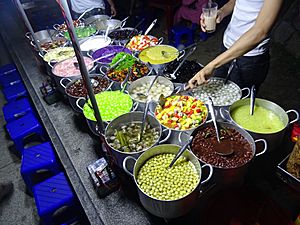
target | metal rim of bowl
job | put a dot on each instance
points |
(252, 145)
(143, 150)
(75, 75)
(187, 130)
(80, 78)
(133, 85)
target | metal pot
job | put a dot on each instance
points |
(43, 36)
(91, 123)
(148, 79)
(104, 70)
(74, 99)
(173, 208)
(127, 118)
(101, 22)
(61, 55)
(106, 51)
(57, 78)
(193, 93)
(102, 42)
(152, 108)
(122, 41)
(233, 176)
(162, 66)
(137, 52)
(274, 139)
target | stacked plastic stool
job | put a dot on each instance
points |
(22, 128)
(14, 92)
(51, 196)
(7, 69)
(179, 31)
(10, 79)
(38, 163)
(16, 109)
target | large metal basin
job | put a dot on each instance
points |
(163, 208)
(274, 139)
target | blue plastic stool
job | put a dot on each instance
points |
(51, 195)
(14, 92)
(177, 33)
(6, 69)
(17, 109)
(36, 162)
(10, 79)
(22, 128)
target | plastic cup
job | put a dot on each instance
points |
(210, 14)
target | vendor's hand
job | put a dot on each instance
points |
(113, 11)
(220, 17)
(201, 77)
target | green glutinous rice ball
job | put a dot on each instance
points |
(111, 105)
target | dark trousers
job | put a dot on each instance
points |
(248, 70)
(96, 11)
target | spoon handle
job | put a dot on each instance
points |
(213, 116)
(252, 99)
(150, 27)
(144, 120)
(180, 151)
(182, 61)
(229, 71)
(152, 82)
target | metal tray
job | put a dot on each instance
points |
(286, 177)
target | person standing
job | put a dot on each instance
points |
(97, 7)
(246, 39)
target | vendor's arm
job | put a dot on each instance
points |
(112, 7)
(245, 43)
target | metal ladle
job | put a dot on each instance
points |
(220, 149)
(142, 95)
(252, 99)
(229, 71)
(144, 120)
(180, 151)
(172, 75)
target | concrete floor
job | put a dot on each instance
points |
(282, 86)
(18, 207)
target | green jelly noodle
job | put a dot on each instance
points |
(111, 104)
(157, 180)
(262, 121)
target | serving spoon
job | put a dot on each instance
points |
(252, 99)
(222, 149)
(142, 95)
(144, 120)
(180, 151)
(172, 75)
(229, 71)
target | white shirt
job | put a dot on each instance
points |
(243, 18)
(80, 6)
